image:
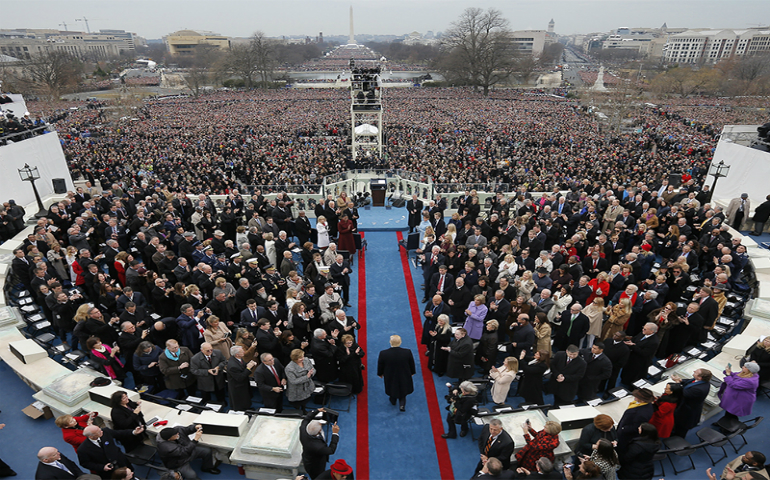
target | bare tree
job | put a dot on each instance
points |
(199, 66)
(252, 61)
(477, 49)
(52, 73)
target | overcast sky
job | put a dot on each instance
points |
(240, 18)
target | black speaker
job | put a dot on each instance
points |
(59, 186)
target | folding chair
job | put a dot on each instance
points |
(731, 429)
(339, 390)
(714, 439)
(682, 448)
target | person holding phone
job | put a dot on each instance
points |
(315, 451)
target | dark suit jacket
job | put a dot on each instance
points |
(502, 449)
(596, 371)
(315, 451)
(94, 458)
(688, 412)
(628, 427)
(501, 314)
(266, 380)
(238, 384)
(448, 287)
(49, 472)
(564, 392)
(579, 329)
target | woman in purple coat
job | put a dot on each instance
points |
(474, 317)
(739, 391)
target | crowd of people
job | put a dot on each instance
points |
(454, 135)
(182, 294)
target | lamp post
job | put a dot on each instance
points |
(30, 174)
(718, 170)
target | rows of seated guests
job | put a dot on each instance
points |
(149, 285)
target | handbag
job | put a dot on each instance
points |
(672, 360)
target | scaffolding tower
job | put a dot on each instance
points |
(365, 111)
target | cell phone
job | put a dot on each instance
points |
(528, 422)
(730, 366)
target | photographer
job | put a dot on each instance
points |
(462, 404)
(176, 450)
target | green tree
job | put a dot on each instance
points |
(477, 49)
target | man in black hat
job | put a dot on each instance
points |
(176, 450)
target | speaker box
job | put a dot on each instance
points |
(59, 186)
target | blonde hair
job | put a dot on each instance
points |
(552, 428)
(82, 312)
(512, 364)
(395, 341)
(63, 421)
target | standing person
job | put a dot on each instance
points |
(345, 227)
(618, 352)
(55, 466)
(665, 406)
(636, 461)
(101, 453)
(737, 210)
(299, 380)
(688, 412)
(271, 380)
(573, 326)
(598, 369)
(643, 347)
(339, 470)
(539, 444)
(460, 362)
(503, 378)
(567, 369)
(602, 428)
(174, 364)
(440, 336)
(414, 207)
(531, 383)
(639, 411)
(761, 214)
(127, 415)
(495, 442)
(739, 391)
(349, 356)
(396, 367)
(462, 402)
(238, 374)
(315, 451)
(208, 367)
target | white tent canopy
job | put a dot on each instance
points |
(366, 130)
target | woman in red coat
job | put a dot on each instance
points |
(663, 418)
(72, 428)
(600, 287)
(346, 241)
(541, 444)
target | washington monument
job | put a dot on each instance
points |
(352, 39)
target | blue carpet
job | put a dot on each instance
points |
(401, 445)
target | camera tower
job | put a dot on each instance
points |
(365, 111)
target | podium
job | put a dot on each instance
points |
(378, 186)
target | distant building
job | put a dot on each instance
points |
(184, 42)
(25, 43)
(531, 42)
(701, 45)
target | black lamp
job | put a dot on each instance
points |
(718, 170)
(30, 174)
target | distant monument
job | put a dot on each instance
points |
(352, 38)
(598, 85)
